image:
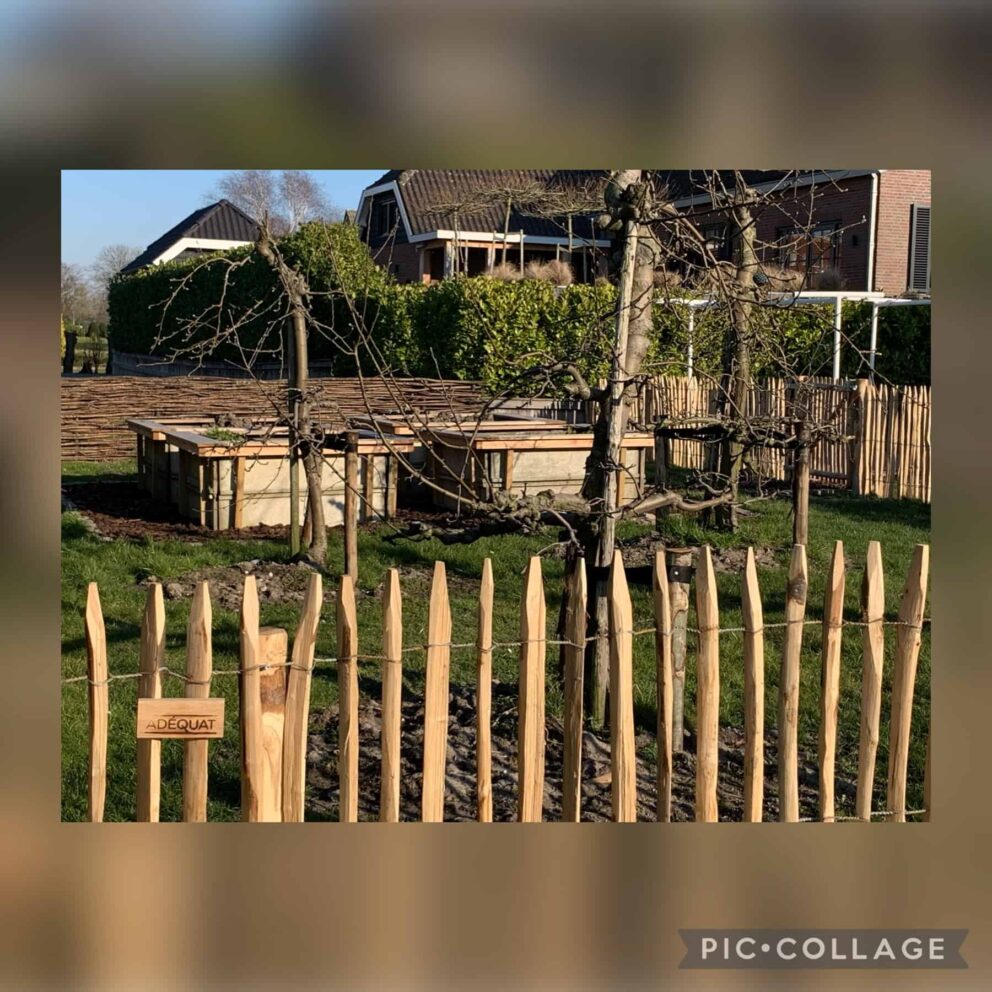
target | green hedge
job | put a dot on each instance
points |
(479, 328)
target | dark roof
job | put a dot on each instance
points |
(682, 183)
(221, 221)
(431, 197)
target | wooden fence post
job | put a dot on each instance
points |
(436, 698)
(788, 694)
(392, 695)
(294, 742)
(347, 624)
(833, 618)
(484, 695)
(665, 683)
(908, 637)
(251, 704)
(679, 578)
(99, 701)
(351, 505)
(575, 634)
(273, 644)
(622, 753)
(872, 655)
(530, 746)
(800, 484)
(149, 752)
(199, 668)
(707, 690)
(857, 450)
(754, 693)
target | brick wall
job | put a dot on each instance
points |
(401, 260)
(898, 190)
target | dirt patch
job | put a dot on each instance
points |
(640, 553)
(460, 803)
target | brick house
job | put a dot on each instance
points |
(860, 230)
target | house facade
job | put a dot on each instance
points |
(854, 230)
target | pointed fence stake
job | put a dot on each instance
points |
(151, 652)
(788, 689)
(908, 638)
(530, 744)
(199, 669)
(707, 690)
(294, 735)
(251, 704)
(623, 757)
(99, 701)
(754, 693)
(392, 693)
(273, 643)
(484, 696)
(575, 650)
(665, 684)
(347, 622)
(436, 698)
(833, 618)
(872, 655)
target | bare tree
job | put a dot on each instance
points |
(255, 191)
(76, 299)
(301, 198)
(109, 261)
(285, 200)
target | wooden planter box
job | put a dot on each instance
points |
(224, 484)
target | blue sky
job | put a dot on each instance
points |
(135, 206)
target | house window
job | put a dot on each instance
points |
(715, 238)
(384, 216)
(809, 250)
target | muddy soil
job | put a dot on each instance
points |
(460, 803)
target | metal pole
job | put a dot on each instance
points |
(692, 328)
(874, 338)
(838, 311)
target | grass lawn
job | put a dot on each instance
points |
(118, 565)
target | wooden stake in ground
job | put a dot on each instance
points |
(665, 684)
(99, 701)
(392, 692)
(347, 701)
(294, 744)
(908, 637)
(707, 690)
(351, 505)
(679, 578)
(530, 747)
(483, 702)
(199, 668)
(251, 704)
(575, 634)
(436, 698)
(788, 694)
(622, 753)
(833, 618)
(150, 655)
(273, 645)
(873, 655)
(754, 693)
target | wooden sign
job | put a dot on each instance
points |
(180, 719)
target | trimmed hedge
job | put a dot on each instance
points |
(478, 328)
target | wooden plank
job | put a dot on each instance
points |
(506, 470)
(238, 509)
(707, 689)
(872, 656)
(368, 488)
(151, 652)
(199, 669)
(483, 702)
(788, 695)
(436, 698)
(251, 704)
(294, 748)
(99, 702)
(351, 510)
(665, 680)
(347, 629)
(392, 694)
(754, 693)
(833, 618)
(273, 643)
(575, 650)
(180, 719)
(392, 484)
(908, 638)
(530, 744)
(623, 758)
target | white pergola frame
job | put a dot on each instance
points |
(813, 297)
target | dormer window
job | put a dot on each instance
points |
(384, 218)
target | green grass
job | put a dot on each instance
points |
(118, 565)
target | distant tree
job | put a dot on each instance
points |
(77, 302)
(302, 198)
(286, 200)
(110, 259)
